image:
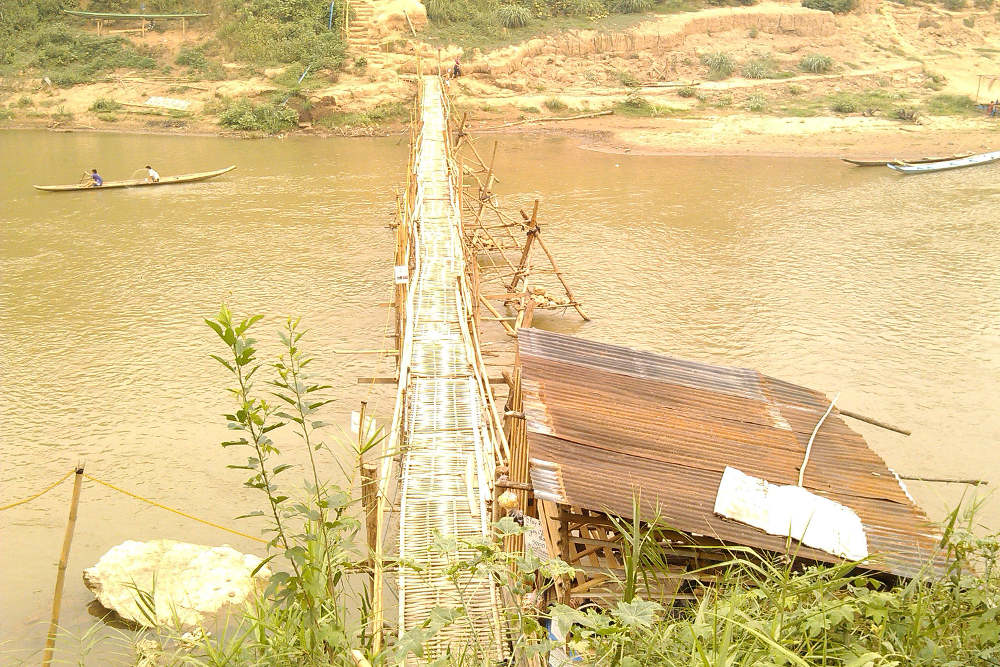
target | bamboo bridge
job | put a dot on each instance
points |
(445, 425)
(436, 499)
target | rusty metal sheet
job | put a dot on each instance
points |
(606, 423)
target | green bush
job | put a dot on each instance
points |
(245, 116)
(816, 63)
(983, 4)
(68, 55)
(953, 5)
(720, 65)
(835, 6)
(628, 79)
(282, 31)
(104, 105)
(512, 16)
(686, 91)
(25, 101)
(758, 68)
(756, 102)
(194, 58)
(844, 106)
(733, 3)
(6, 114)
(632, 6)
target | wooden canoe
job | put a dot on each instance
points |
(883, 163)
(139, 182)
(971, 161)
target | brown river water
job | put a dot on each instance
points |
(860, 281)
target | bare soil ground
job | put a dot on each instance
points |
(652, 74)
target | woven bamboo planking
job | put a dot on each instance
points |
(449, 448)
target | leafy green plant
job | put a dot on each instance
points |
(104, 105)
(246, 116)
(758, 68)
(835, 6)
(720, 65)
(816, 63)
(24, 101)
(628, 79)
(756, 102)
(632, 6)
(722, 101)
(685, 91)
(512, 16)
(844, 105)
(6, 114)
(953, 5)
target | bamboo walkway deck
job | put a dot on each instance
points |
(448, 446)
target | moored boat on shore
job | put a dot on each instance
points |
(971, 161)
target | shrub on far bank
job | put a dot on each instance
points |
(282, 31)
(835, 6)
(720, 65)
(105, 105)
(246, 116)
(816, 63)
(512, 16)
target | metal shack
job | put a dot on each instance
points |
(605, 425)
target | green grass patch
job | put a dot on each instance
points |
(377, 115)
(868, 102)
(473, 24)
(943, 104)
(68, 55)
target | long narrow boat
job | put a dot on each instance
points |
(883, 163)
(971, 161)
(139, 182)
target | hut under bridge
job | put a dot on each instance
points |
(718, 456)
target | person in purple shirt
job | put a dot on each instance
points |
(96, 180)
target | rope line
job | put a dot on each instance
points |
(171, 509)
(40, 493)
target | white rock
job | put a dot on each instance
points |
(191, 584)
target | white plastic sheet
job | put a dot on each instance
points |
(792, 511)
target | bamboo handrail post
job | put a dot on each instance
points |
(50, 640)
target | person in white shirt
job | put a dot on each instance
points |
(151, 175)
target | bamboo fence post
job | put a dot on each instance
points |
(50, 640)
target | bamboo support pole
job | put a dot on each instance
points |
(874, 422)
(496, 313)
(50, 640)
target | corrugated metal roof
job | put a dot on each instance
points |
(607, 422)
